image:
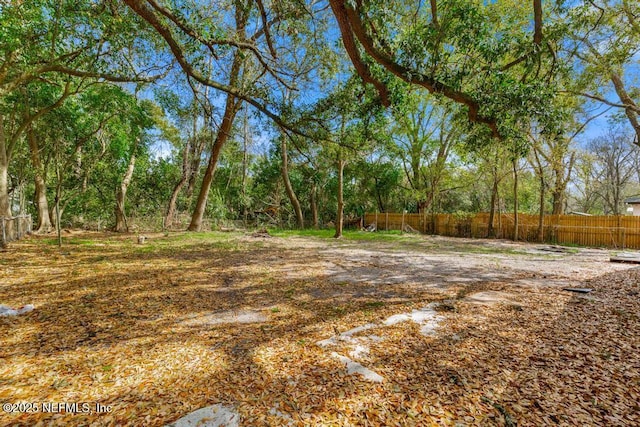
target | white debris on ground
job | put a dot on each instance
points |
(5, 310)
(426, 317)
(212, 416)
(356, 368)
(359, 351)
(346, 336)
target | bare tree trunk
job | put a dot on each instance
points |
(314, 206)
(231, 108)
(540, 172)
(171, 208)
(491, 232)
(438, 167)
(4, 174)
(515, 199)
(381, 207)
(5, 208)
(121, 194)
(558, 201)
(340, 213)
(195, 152)
(42, 205)
(560, 187)
(245, 147)
(287, 184)
(631, 111)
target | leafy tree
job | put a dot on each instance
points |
(616, 162)
(480, 55)
(605, 44)
(425, 139)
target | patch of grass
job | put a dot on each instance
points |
(206, 240)
(71, 241)
(308, 232)
(350, 235)
(374, 304)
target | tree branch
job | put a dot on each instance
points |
(344, 23)
(410, 76)
(603, 100)
(139, 8)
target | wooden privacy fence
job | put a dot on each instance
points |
(600, 231)
(14, 228)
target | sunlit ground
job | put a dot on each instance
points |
(148, 332)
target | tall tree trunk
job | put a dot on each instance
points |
(631, 109)
(232, 105)
(199, 142)
(381, 206)
(437, 168)
(558, 202)
(287, 184)
(42, 205)
(171, 208)
(340, 213)
(4, 184)
(540, 172)
(5, 208)
(560, 187)
(245, 147)
(230, 110)
(491, 232)
(121, 193)
(57, 204)
(515, 200)
(314, 206)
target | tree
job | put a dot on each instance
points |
(425, 137)
(606, 42)
(61, 44)
(287, 183)
(476, 54)
(278, 52)
(616, 161)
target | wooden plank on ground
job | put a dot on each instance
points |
(628, 259)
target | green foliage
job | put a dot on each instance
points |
(423, 153)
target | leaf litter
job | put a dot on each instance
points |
(150, 331)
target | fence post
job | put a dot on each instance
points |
(386, 226)
(377, 225)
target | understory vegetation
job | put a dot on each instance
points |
(175, 115)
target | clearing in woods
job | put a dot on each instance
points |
(373, 329)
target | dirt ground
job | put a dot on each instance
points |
(298, 330)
